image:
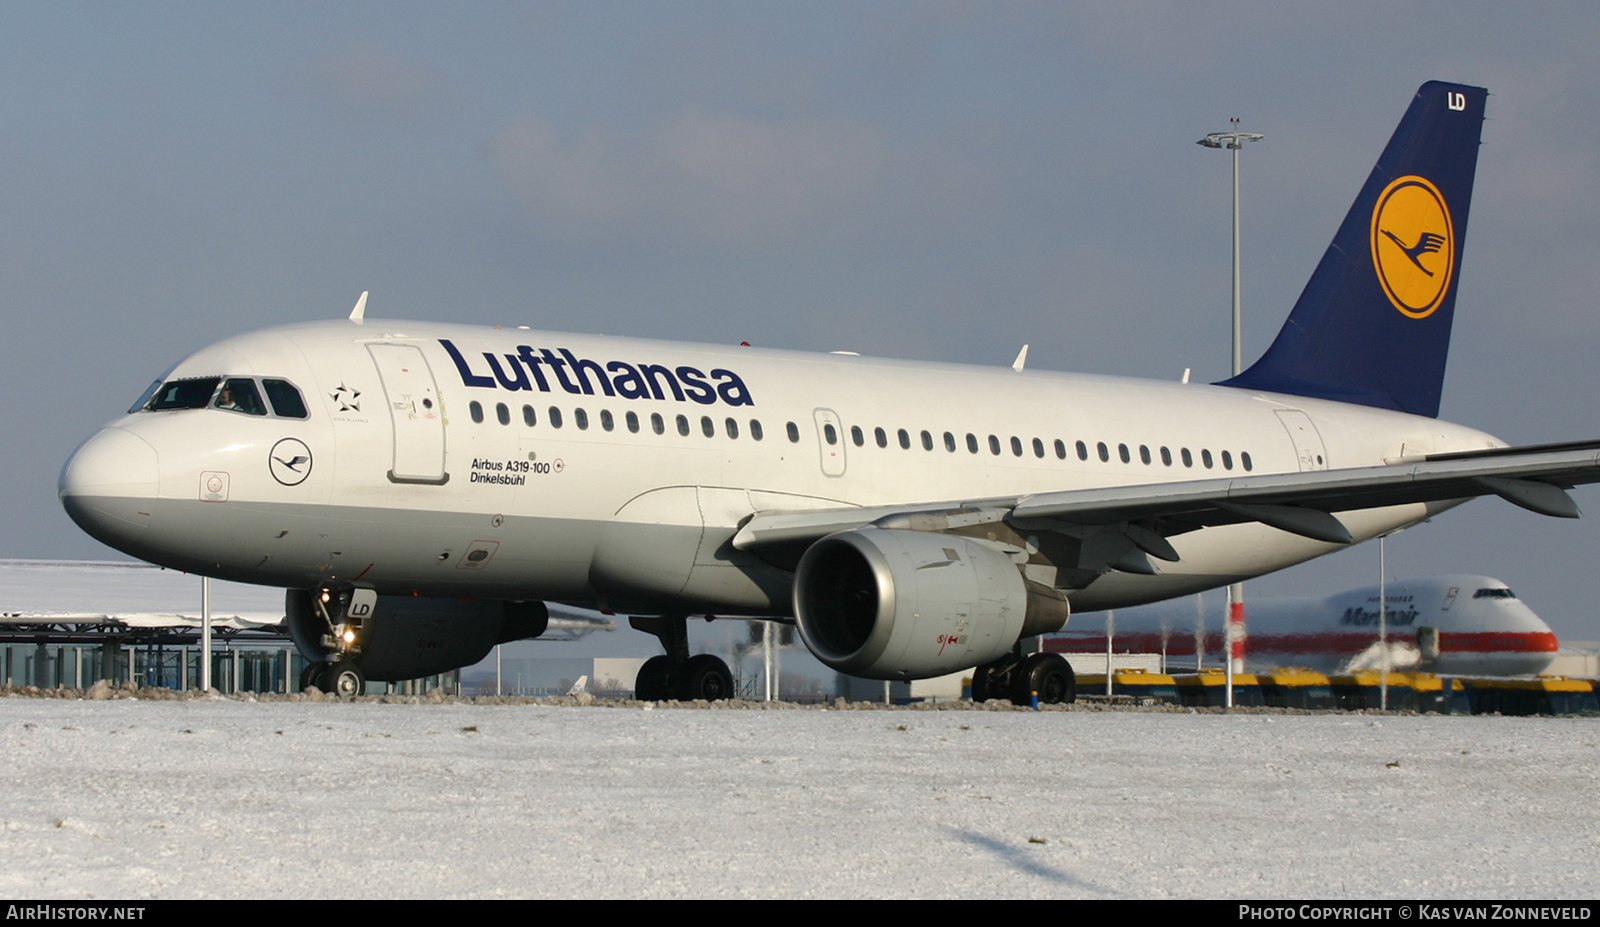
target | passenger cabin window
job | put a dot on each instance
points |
(656, 424)
(708, 427)
(476, 409)
(527, 416)
(606, 421)
(581, 419)
(794, 433)
(286, 400)
(553, 417)
(683, 425)
(502, 413)
(633, 422)
(733, 428)
(755, 430)
(905, 439)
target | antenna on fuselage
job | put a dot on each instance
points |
(359, 313)
(1022, 358)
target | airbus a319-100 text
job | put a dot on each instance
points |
(422, 490)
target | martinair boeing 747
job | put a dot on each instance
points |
(1455, 625)
(422, 490)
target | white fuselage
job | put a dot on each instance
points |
(391, 480)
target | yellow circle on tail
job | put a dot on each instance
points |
(1413, 245)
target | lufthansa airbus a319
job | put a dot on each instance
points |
(422, 490)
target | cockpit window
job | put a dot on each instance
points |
(183, 394)
(286, 400)
(239, 394)
(1494, 594)
(144, 397)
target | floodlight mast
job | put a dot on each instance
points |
(1233, 141)
(1233, 637)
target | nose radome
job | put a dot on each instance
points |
(109, 486)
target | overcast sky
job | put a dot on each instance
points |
(925, 180)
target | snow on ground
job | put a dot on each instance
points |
(236, 799)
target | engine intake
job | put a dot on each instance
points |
(889, 604)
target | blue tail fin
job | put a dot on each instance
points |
(1373, 325)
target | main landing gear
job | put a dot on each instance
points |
(1017, 677)
(675, 674)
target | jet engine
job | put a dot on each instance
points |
(406, 637)
(890, 604)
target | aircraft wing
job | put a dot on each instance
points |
(1534, 477)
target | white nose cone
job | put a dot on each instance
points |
(109, 487)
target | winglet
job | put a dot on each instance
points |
(1022, 359)
(359, 313)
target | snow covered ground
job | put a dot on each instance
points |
(297, 799)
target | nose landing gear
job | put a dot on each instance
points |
(344, 613)
(340, 677)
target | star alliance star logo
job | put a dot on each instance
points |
(346, 398)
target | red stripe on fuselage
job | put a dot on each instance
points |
(1331, 642)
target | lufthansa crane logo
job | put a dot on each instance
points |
(1413, 245)
(290, 461)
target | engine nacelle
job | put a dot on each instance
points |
(407, 637)
(889, 604)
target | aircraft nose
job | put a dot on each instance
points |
(109, 487)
